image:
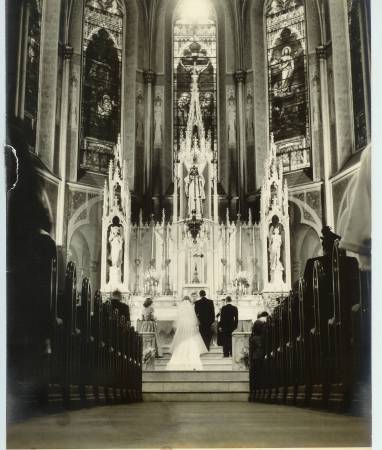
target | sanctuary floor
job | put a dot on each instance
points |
(190, 424)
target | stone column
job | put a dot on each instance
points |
(46, 115)
(67, 52)
(22, 61)
(149, 78)
(239, 77)
(322, 54)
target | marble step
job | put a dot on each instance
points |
(210, 365)
(195, 386)
(200, 376)
(195, 397)
(211, 355)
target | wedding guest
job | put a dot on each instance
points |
(149, 324)
(229, 319)
(257, 343)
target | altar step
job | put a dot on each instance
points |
(204, 386)
(213, 360)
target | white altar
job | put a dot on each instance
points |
(197, 249)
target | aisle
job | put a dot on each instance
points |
(208, 424)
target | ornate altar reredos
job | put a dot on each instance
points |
(167, 260)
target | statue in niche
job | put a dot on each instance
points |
(116, 246)
(231, 112)
(275, 241)
(275, 248)
(158, 131)
(105, 107)
(194, 188)
(249, 117)
(140, 118)
(285, 65)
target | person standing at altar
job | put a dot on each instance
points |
(205, 312)
(149, 324)
(229, 319)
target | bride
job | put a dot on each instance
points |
(187, 345)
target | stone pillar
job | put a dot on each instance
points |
(239, 77)
(342, 83)
(149, 78)
(67, 55)
(322, 54)
(22, 61)
(46, 115)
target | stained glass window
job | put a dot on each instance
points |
(287, 82)
(358, 13)
(194, 41)
(101, 89)
(33, 11)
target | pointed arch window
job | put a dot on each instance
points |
(288, 82)
(101, 84)
(194, 43)
(359, 20)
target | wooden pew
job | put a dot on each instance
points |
(302, 346)
(345, 293)
(319, 367)
(71, 334)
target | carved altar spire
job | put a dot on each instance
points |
(275, 235)
(115, 227)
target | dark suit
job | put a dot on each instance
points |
(205, 312)
(229, 318)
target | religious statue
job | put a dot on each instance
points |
(249, 117)
(116, 244)
(140, 118)
(231, 112)
(158, 120)
(275, 248)
(194, 183)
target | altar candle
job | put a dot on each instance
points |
(240, 250)
(152, 242)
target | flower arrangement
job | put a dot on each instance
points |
(244, 356)
(148, 355)
(151, 277)
(241, 279)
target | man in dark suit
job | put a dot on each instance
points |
(205, 312)
(229, 318)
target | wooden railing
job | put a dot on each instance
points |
(317, 342)
(91, 355)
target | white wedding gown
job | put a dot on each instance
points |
(187, 345)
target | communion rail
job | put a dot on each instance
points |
(85, 355)
(317, 342)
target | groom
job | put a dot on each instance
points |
(205, 312)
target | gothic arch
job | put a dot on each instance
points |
(130, 52)
(313, 21)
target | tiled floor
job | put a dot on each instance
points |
(195, 424)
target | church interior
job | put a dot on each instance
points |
(162, 148)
